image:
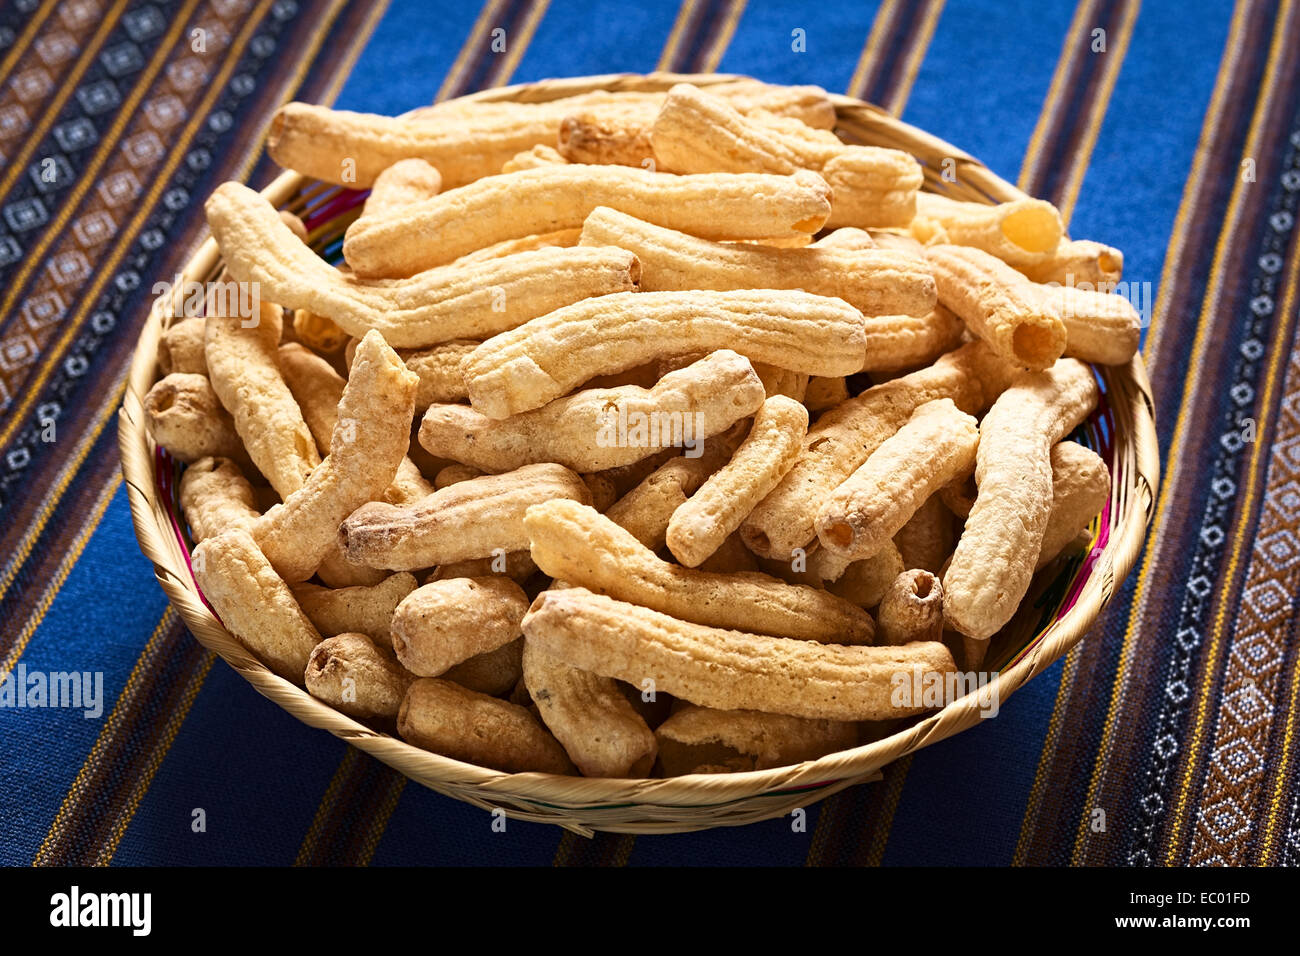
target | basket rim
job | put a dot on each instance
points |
(559, 798)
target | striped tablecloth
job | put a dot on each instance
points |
(1169, 129)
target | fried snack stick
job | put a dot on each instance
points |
(254, 604)
(602, 428)
(847, 237)
(245, 373)
(518, 566)
(899, 342)
(1080, 487)
(215, 496)
(998, 305)
(876, 282)
(844, 437)
(454, 474)
(494, 673)
(602, 733)
(541, 360)
(582, 547)
(450, 720)
(470, 519)
(355, 610)
(468, 301)
(539, 155)
(709, 516)
(823, 393)
(865, 582)
(782, 381)
(1099, 327)
(184, 415)
(729, 670)
(1020, 232)
(996, 553)
(926, 540)
(699, 133)
(354, 676)
(716, 206)
(934, 446)
(402, 184)
(439, 370)
(1076, 261)
(181, 348)
(645, 510)
(559, 239)
(368, 444)
(911, 609)
(696, 736)
(446, 622)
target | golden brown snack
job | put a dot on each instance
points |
(875, 281)
(580, 546)
(716, 206)
(446, 622)
(731, 557)
(999, 547)
(1100, 327)
(409, 485)
(453, 474)
(927, 539)
(898, 342)
(865, 582)
(844, 437)
(709, 516)
(215, 497)
(934, 446)
(460, 301)
(184, 415)
(367, 446)
(847, 237)
(1080, 488)
(730, 670)
(493, 673)
(781, 381)
(1020, 233)
(317, 331)
(539, 155)
(244, 369)
(601, 428)
(602, 733)
(692, 739)
(316, 387)
(470, 519)
(911, 610)
(338, 572)
(518, 566)
(355, 610)
(448, 719)
(998, 305)
(402, 184)
(353, 675)
(1076, 261)
(559, 239)
(181, 348)
(696, 132)
(603, 490)
(254, 604)
(439, 370)
(823, 393)
(548, 357)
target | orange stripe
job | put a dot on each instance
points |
(24, 39)
(912, 66)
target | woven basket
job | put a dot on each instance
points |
(1063, 603)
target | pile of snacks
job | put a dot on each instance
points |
(641, 433)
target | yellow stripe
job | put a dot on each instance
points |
(165, 745)
(24, 39)
(77, 792)
(1244, 513)
(349, 61)
(107, 147)
(685, 13)
(1271, 845)
(142, 783)
(1030, 818)
(1173, 458)
(60, 575)
(491, 12)
(1194, 186)
(122, 244)
(1072, 46)
(517, 47)
(898, 101)
(881, 26)
(51, 112)
(713, 56)
(379, 818)
(1082, 155)
(347, 766)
